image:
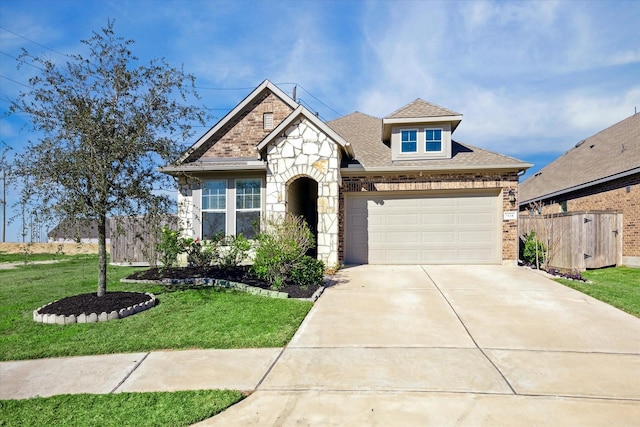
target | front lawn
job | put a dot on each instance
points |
(26, 258)
(185, 318)
(618, 286)
(181, 408)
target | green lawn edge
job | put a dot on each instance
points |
(192, 318)
(181, 408)
(616, 286)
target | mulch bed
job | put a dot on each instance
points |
(115, 301)
(92, 303)
(238, 274)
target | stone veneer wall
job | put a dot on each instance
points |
(305, 151)
(503, 181)
(185, 206)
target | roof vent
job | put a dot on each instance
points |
(579, 143)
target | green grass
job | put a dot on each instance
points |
(184, 319)
(618, 286)
(121, 409)
(6, 257)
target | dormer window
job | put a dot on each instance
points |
(421, 141)
(433, 140)
(409, 141)
(420, 131)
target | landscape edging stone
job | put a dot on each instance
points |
(61, 319)
(220, 283)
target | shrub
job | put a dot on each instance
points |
(232, 250)
(280, 247)
(170, 247)
(307, 272)
(531, 248)
(200, 253)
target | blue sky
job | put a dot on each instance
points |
(530, 78)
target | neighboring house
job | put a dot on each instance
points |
(397, 190)
(76, 231)
(601, 172)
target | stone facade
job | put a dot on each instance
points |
(618, 195)
(415, 181)
(186, 206)
(305, 151)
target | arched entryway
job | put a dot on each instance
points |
(302, 200)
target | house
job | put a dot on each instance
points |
(76, 231)
(601, 172)
(396, 190)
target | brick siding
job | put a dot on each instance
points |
(240, 137)
(430, 182)
(620, 195)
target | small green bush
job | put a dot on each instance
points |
(232, 251)
(200, 253)
(307, 272)
(280, 247)
(170, 247)
(529, 247)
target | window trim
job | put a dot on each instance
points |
(421, 153)
(204, 210)
(252, 209)
(231, 203)
(426, 142)
(402, 142)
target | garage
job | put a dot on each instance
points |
(422, 228)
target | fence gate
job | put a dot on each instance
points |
(578, 240)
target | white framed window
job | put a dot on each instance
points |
(409, 141)
(231, 206)
(214, 208)
(421, 142)
(248, 207)
(433, 140)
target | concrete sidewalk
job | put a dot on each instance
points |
(137, 372)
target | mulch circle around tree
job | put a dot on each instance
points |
(92, 303)
(238, 274)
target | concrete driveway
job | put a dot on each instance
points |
(451, 345)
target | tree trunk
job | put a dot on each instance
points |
(102, 254)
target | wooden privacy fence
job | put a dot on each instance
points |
(134, 239)
(577, 240)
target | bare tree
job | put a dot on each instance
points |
(107, 122)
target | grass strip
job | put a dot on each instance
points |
(202, 317)
(617, 286)
(181, 408)
(6, 257)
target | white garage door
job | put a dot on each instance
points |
(424, 228)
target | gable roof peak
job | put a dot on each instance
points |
(421, 108)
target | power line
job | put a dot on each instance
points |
(16, 82)
(22, 61)
(311, 95)
(36, 43)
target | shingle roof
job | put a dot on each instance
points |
(364, 134)
(608, 153)
(77, 229)
(420, 108)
